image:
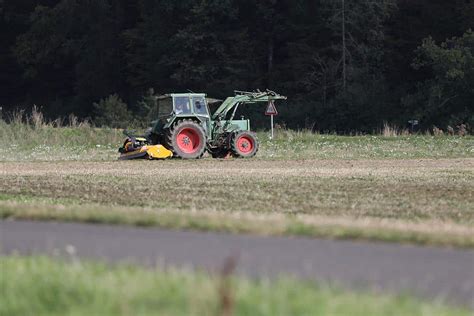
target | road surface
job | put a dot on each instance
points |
(447, 274)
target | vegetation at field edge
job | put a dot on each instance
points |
(38, 140)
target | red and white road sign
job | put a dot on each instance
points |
(271, 109)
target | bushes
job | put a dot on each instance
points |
(112, 112)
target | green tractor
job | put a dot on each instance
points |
(186, 127)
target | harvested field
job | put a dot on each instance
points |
(388, 199)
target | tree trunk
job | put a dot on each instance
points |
(270, 61)
(344, 74)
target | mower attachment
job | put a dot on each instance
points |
(135, 148)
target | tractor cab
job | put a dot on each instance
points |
(178, 106)
(183, 104)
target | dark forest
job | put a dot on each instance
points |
(345, 65)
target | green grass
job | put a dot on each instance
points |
(43, 286)
(45, 142)
(305, 145)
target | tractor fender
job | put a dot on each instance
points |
(184, 117)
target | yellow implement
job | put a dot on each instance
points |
(158, 152)
(147, 151)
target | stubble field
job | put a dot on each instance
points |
(425, 201)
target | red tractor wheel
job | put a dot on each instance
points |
(244, 144)
(187, 139)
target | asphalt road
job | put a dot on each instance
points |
(447, 274)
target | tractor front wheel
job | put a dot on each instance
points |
(244, 144)
(186, 139)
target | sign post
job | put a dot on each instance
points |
(271, 122)
(271, 111)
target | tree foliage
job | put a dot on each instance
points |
(447, 95)
(346, 65)
(112, 112)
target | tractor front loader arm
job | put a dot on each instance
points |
(244, 97)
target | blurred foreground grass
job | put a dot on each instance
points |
(46, 142)
(43, 286)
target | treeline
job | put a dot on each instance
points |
(346, 65)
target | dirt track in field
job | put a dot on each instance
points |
(372, 167)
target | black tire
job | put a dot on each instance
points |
(244, 144)
(186, 139)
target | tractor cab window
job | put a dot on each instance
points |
(200, 106)
(181, 105)
(165, 107)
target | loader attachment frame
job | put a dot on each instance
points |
(244, 97)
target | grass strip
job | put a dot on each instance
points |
(82, 142)
(386, 230)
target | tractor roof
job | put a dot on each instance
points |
(188, 94)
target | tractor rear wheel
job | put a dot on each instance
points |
(244, 144)
(186, 139)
